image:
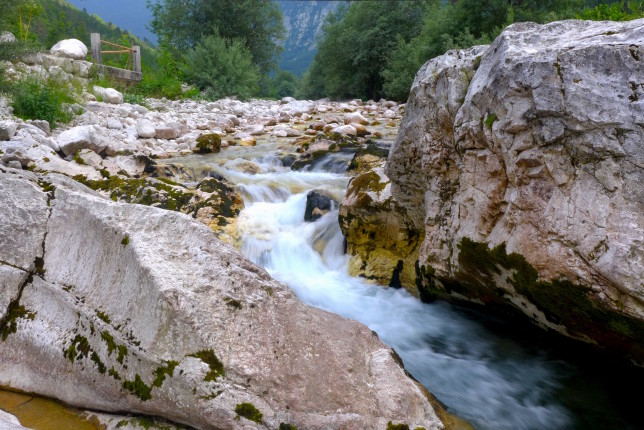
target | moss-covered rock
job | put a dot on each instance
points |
(208, 143)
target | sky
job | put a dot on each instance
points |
(131, 15)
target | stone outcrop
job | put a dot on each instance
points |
(121, 307)
(520, 165)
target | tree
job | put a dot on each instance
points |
(356, 45)
(181, 24)
(222, 68)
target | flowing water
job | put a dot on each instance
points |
(487, 371)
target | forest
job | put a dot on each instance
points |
(366, 50)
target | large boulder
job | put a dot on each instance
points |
(7, 130)
(83, 137)
(121, 307)
(520, 166)
(70, 48)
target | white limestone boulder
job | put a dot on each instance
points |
(135, 309)
(70, 48)
(108, 95)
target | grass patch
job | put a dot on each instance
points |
(41, 99)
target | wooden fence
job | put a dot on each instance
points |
(132, 73)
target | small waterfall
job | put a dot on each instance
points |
(492, 381)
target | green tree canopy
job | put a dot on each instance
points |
(222, 68)
(356, 44)
(182, 24)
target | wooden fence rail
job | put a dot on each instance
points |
(134, 61)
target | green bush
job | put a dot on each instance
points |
(34, 99)
(617, 11)
(134, 99)
(222, 68)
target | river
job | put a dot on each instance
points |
(493, 373)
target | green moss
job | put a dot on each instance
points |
(104, 317)
(79, 348)
(46, 186)
(248, 411)
(371, 149)
(77, 158)
(125, 241)
(489, 120)
(97, 360)
(8, 323)
(161, 372)
(561, 301)
(426, 283)
(392, 426)
(207, 143)
(114, 374)
(216, 366)
(369, 181)
(236, 304)
(122, 353)
(109, 340)
(138, 388)
(104, 173)
(284, 426)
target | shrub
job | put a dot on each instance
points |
(34, 99)
(222, 68)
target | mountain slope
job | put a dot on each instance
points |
(303, 21)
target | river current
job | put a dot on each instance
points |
(489, 372)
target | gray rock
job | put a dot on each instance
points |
(14, 164)
(8, 421)
(114, 124)
(145, 129)
(136, 309)
(7, 130)
(82, 137)
(42, 125)
(517, 144)
(7, 37)
(317, 204)
(345, 130)
(166, 132)
(109, 95)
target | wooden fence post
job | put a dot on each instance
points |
(137, 58)
(96, 48)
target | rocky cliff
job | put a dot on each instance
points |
(121, 307)
(515, 181)
(303, 21)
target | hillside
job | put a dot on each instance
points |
(303, 21)
(60, 20)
